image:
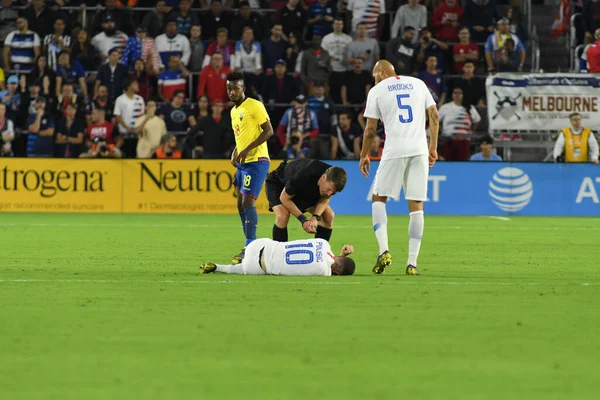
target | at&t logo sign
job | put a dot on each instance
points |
(511, 189)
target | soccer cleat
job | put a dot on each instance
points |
(237, 259)
(384, 260)
(412, 270)
(207, 268)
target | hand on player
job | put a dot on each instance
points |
(347, 250)
(309, 227)
(241, 158)
(433, 156)
(365, 165)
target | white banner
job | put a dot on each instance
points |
(541, 101)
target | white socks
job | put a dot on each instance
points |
(415, 232)
(380, 225)
(230, 269)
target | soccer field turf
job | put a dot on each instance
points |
(112, 307)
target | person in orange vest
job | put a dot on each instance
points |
(168, 147)
(578, 143)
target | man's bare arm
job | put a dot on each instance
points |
(434, 126)
(369, 136)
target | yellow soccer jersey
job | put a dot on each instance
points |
(246, 121)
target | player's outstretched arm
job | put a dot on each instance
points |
(434, 129)
(267, 132)
(368, 137)
(347, 250)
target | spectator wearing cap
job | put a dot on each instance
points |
(111, 75)
(247, 18)
(411, 14)
(40, 128)
(292, 17)
(495, 46)
(212, 136)
(21, 48)
(446, 20)
(172, 43)
(173, 79)
(336, 44)
(168, 147)
(70, 72)
(402, 52)
(213, 79)
(248, 59)
(109, 38)
(55, 43)
(280, 88)
(7, 133)
(480, 17)
(184, 16)
(320, 17)
(487, 152)
(324, 109)
(274, 47)
(221, 45)
(216, 17)
(154, 20)
(298, 118)
(316, 65)
(11, 97)
(40, 17)
(149, 128)
(196, 49)
(121, 16)
(140, 46)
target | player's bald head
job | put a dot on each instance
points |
(383, 69)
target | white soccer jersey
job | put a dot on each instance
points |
(400, 102)
(456, 120)
(299, 257)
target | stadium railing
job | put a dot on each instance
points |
(572, 40)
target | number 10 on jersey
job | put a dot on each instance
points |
(406, 109)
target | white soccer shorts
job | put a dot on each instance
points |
(250, 264)
(408, 173)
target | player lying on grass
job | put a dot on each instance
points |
(298, 257)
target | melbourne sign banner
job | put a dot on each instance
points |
(206, 186)
(541, 101)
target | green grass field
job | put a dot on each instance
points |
(112, 307)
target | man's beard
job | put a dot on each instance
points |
(110, 32)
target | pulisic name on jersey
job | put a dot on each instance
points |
(319, 251)
(400, 86)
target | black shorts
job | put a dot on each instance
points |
(275, 185)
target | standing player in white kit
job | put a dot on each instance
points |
(298, 257)
(402, 103)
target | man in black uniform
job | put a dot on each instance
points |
(300, 186)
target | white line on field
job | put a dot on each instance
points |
(277, 281)
(499, 218)
(366, 226)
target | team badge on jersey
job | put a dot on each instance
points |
(241, 116)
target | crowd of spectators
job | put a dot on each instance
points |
(122, 81)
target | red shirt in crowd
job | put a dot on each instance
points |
(463, 49)
(446, 31)
(213, 83)
(593, 58)
(103, 130)
(228, 51)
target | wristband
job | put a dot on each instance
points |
(302, 218)
(317, 216)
